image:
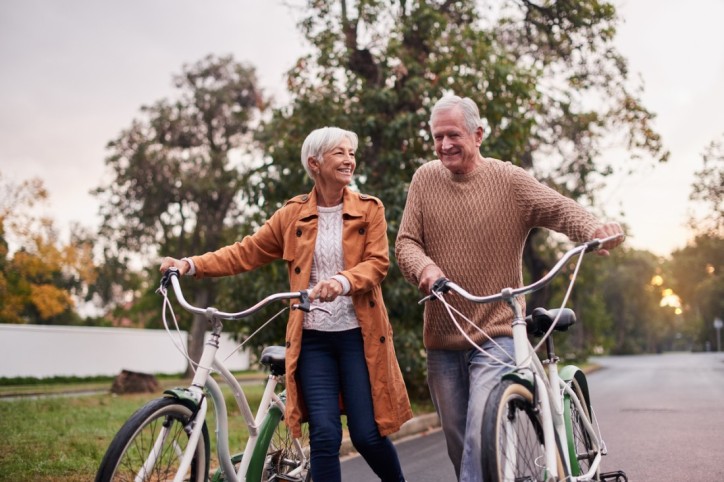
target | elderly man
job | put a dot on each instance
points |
(467, 218)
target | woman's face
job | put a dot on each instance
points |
(337, 166)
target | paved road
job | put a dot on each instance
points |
(662, 417)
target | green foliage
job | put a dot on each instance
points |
(177, 179)
(708, 191)
(377, 68)
(697, 277)
(639, 325)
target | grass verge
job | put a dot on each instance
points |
(64, 438)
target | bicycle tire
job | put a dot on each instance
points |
(510, 418)
(283, 456)
(282, 461)
(581, 449)
(130, 447)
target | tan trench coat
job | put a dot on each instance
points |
(290, 234)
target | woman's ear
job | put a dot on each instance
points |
(313, 164)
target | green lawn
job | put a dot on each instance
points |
(63, 438)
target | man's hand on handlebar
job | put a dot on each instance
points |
(429, 275)
(169, 262)
(605, 231)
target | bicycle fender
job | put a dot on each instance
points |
(266, 431)
(571, 372)
(523, 377)
(184, 395)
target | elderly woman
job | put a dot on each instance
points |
(334, 242)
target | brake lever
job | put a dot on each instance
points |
(306, 305)
(319, 308)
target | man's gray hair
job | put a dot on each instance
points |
(323, 140)
(467, 105)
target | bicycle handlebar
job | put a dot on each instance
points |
(443, 285)
(171, 277)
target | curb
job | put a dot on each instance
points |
(415, 426)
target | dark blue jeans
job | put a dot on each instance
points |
(331, 363)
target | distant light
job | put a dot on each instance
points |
(657, 280)
(710, 269)
(669, 298)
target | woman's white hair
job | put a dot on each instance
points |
(467, 105)
(323, 140)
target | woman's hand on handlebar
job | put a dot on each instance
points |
(169, 262)
(605, 231)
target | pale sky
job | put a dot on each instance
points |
(74, 73)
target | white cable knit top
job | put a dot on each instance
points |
(328, 261)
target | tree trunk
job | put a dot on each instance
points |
(537, 268)
(203, 298)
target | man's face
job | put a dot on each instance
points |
(458, 149)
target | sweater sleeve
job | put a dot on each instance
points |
(409, 246)
(544, 207)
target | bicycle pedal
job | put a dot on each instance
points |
(614, 476)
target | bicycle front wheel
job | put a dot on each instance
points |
(150, 445)
(513, 446)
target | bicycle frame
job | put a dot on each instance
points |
(260, 427)
(551, 401)
(549, 388)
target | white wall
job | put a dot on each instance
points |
(44, 351)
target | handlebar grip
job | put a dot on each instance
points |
(305, 305)
(440, 285)
(593, 245)
(166, 278)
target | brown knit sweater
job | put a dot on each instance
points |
(473, 227)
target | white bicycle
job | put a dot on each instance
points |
(538, 425)
(167, 439)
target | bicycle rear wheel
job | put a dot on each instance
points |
(165, 424)
(512, 437)
(581, 448)
(287, 458)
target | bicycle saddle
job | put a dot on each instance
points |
(541, 319)
(273, 357)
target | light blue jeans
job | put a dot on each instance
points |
(459, 382)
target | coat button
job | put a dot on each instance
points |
(297, 270)
(382, 339)
(372, 304)
(299, 232)
(288, 344)
(361, 230)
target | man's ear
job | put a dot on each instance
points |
(479, 135)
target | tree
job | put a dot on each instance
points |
(178, 172)
(551, 86)
(697, 273)
(708, 191)
(40, 278)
